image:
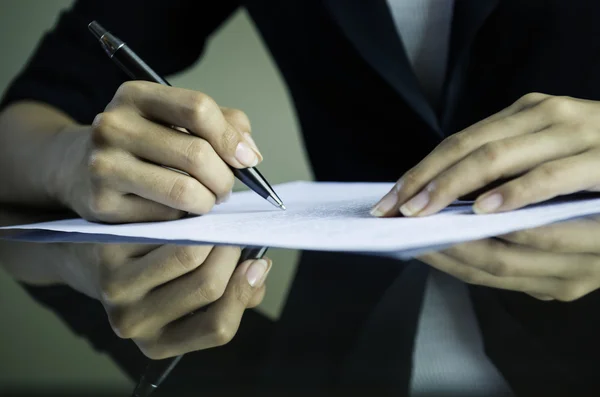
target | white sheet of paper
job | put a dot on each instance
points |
(332, 217)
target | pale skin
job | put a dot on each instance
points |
(113, 170)
(546, 145)
(148, 291)
(540, 147)
(130, 165)
(554, 262)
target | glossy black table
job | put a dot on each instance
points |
(520, 312)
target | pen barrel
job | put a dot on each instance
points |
(251, 178)
(135, 67)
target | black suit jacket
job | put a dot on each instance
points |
(355, 93)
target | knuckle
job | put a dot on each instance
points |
(571, 292)
(210, 290)
(559, 106)
(182, 192)
(531, 98)
(157, 352)
(549, 172)
(201, 107)
(131, 88)
(111, 291)
(101, 204)
(187, 257)
(492, 151)
(458, 143)
(196, 153)
(104, 126)
(229, 139)
(123, 325)
(221, 333)
(499, 267)
(411, 180)
(100, 164)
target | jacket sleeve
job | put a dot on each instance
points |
(70, 71)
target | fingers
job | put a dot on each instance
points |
(194, 111)
(121, 171)
(200, 287)
(578, 236)
(555, 178)
(219, 324)
(541, 297)
(492, 161)
(545, 276)
(240, 121)
(257, 298)
(166, 146)
(113, 207)
(137, 277)
(515, 121)
(471, 275)
(508, 260)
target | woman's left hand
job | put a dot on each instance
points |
(540, 147)
(559, 261)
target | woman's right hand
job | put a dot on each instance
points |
(119, 172)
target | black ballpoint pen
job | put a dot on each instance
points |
(157, 371)
(137, 69)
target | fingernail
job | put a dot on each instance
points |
(245, 155)
(253, 145)
(488, 204)
(257, 272)
(415, 204)
(385, 204)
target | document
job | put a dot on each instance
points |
(330, 217)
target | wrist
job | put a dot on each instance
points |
(66, 151)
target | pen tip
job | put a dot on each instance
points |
(276, 201)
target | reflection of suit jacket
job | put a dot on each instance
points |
(355, 94)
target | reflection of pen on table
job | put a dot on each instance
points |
(157, 371)
(136, 68)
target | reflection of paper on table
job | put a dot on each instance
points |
(332, 217)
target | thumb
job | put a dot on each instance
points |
(247, 279)
(240, 121)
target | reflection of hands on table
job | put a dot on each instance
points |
(148, 290)
(559, 261)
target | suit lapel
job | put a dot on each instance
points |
(369, 25)
(469, 16)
